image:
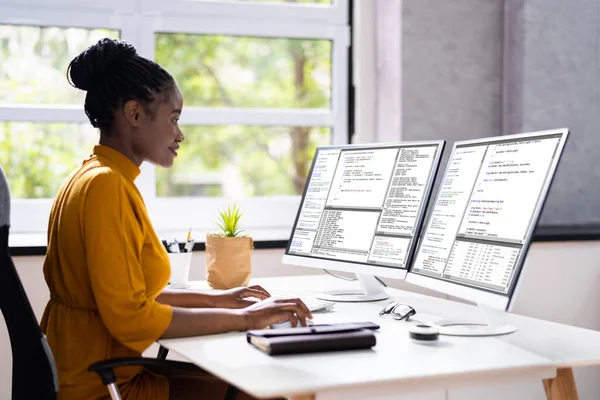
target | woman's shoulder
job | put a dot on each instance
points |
(100, 179)
(100, 174)
(105, 188)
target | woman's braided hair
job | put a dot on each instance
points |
(113, 73)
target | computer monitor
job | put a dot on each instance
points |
(481, 224)
(361, 210)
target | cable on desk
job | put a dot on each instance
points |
(351, 279)
(340, 277)
(380, 281)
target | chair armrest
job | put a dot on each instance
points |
(105, 368)
(162, 353)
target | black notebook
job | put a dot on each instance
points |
(313, 339)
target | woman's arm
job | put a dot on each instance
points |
(196, 322)
(186, 299)
(113, 240)
(232, 298)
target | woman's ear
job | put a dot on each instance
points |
(132, 110)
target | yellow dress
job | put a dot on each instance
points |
(104, 267)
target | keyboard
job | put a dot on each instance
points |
(311, 302)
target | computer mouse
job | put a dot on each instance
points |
(281, 325)
(288, 324)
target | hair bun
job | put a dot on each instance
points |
(93, 63)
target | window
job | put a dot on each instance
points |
(283, 1)
(264, 83)
(35, 60)
(241, 161)
(38, 156)
(230, 71)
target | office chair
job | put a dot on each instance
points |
(34, 371)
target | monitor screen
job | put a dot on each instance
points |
(363, 204)
(486, 208)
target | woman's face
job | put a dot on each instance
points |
(159, 134)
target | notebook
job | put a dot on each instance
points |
(314, 339)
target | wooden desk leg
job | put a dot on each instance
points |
(562, 387)
(304, 397)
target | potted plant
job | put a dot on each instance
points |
(228, 252)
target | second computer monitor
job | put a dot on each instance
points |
(481, 224)
(362, 209)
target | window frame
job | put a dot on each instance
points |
(335, 14)
(138, 24)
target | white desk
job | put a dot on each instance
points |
(396, 365)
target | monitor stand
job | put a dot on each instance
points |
(371, 291)
(491, 322)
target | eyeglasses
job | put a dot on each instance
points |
(397, 311)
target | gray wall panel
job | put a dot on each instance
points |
(451, 69)
(560, 87)
(477, 68)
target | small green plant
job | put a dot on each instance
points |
(229, 222)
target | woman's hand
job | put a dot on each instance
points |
(208, 321)
(237, 297)
(264, 313)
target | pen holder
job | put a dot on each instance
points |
(180, 269)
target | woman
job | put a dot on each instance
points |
(105, 266)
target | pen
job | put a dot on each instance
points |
(189, 242)
(189, 245)
(174, 247)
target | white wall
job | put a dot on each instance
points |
(559, 283)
